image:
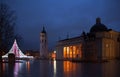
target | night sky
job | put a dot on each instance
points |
(61, 17)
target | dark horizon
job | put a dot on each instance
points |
(61, 18)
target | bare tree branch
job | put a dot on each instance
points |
(7, 24)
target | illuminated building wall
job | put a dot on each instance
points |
(72, 51)
(110, 45)
(69, 49)
(100, 43)
(106, 45)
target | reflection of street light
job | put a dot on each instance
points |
(28, 66)
(54, 68)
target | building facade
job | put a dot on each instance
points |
(100, 43)
(43, 44)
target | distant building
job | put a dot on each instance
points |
(100, 43)
(43, 44)
(35, 54)
(52, 55)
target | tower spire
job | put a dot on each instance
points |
(43, 44)
(43, 31)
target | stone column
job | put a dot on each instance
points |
(72, 52)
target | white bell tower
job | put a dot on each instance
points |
(43, 44)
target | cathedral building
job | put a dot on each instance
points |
(43, 44)
(100, 43)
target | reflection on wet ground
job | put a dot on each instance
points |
(45, 68)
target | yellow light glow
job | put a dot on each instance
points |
(64, 52)
(68, 50)
(53, 55)
(28, 66)
(72, 51)
(66, 66)
(70, 54)
(69, 66)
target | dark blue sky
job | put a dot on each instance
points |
(61, 17)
